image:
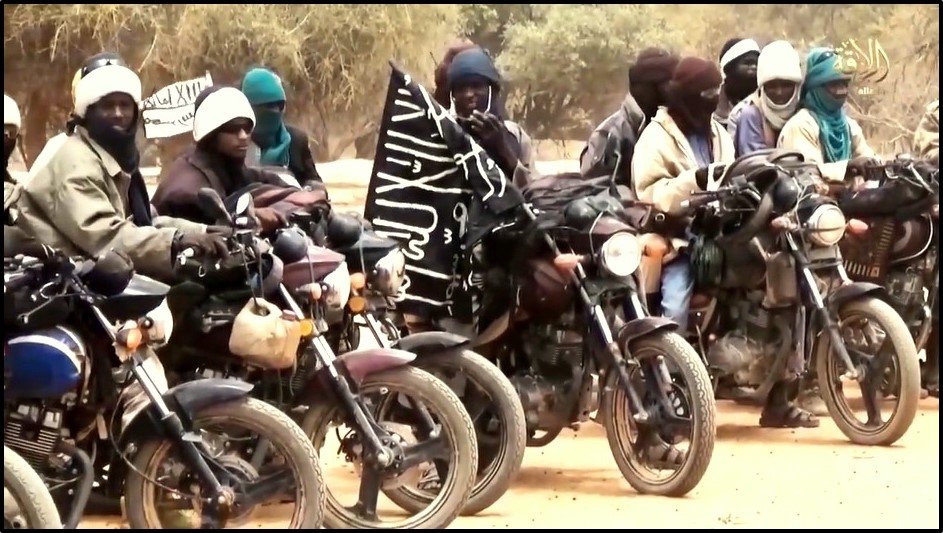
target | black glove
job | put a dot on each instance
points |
(859, 166)
(702, 178)
(204, 245)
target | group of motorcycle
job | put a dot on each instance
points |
(125, 395)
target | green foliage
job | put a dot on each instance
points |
(568, 62)
(565, 64)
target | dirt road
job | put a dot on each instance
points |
(758, 477)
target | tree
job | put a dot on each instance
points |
(567, 66)
(332, 57)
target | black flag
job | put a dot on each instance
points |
(427, 175)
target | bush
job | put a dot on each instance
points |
(565, 64)
(568, 66)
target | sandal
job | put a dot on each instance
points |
(790, 417)
(663, 455)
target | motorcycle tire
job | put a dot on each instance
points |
(283, 434)
(27, 503)
(906, 379)
(501, 449)
(429, 511)
(616, 414)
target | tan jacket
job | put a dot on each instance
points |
(927, 136)
(78, 204)
(14, 240)
(801, 133)
(663, 165)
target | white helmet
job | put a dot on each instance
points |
(11, 112)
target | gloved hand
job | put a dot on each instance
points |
(708, 178)
(222, 231)
(859, 166)
(486, 126)
(205, 245)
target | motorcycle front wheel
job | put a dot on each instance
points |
(225, 429)
(405, 401)
(668, 454)
(881, 348)
(496, 411)
(27, 503)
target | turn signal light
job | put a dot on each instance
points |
(357, 304)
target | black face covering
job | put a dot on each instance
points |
(121, 145)
(9, 144)
(692, 113)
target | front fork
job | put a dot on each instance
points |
(831, 325)
(366, 427)
(186, 440)
(617, 360)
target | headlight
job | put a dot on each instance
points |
(389, 272)
(621, 255)
(337, 284)
(163, 324)
(826, 225)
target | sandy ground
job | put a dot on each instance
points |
(758, 478)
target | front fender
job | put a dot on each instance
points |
(640, 327)
(186, 399)
(358, 364)
(430, 342)
(361, 363)
(852, 291)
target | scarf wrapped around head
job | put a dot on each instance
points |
(822, 67)
(693, 93)
(778, 61)
(261, 86)
(653, 65)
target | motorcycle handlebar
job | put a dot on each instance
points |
(695, 202)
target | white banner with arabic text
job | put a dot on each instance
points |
(169, 111)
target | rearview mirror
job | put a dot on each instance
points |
(212, 205)
(243, 203)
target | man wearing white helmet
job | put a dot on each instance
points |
(91, 196)
(223, 124)
(14, 240)
(53, 144)
(755, 122)
(738, 59)
(11, 132)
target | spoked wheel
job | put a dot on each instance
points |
(879, 407)
(668, 453)
(498, 416)
(164, 491)
(434, 454)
